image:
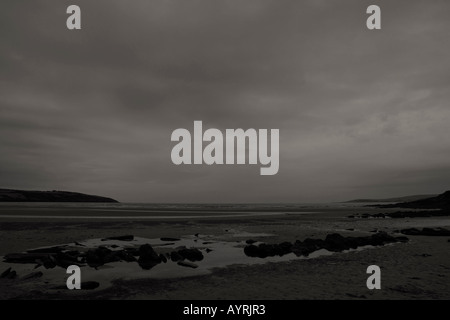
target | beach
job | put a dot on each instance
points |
(416, 269)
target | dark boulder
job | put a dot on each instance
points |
(148, 258)
(251, 250)
(191, 254)
(336, 242)
(266, 250)
(5, 273)
(163, 258)
(101, 255)
(175, 256)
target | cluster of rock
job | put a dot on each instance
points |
(438, 232)
(333, 242)
(145, 256)
(404, 214)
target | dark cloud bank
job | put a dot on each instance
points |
(361, 113)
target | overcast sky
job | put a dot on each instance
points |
(361, 113)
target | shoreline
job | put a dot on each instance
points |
(417, 269)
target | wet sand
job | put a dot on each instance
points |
(419, 269)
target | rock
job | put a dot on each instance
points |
(33, 275)
(125, 256)
(8, 274)
(175, 256)
(333, 242)
(336, 242)
(251, 250)
(163, 258)
(65, 260)
(350, 229)
(265, 250)
(306, 247)
(133, 251)
(89, 285)
(196, 235)
(98, 257)
(381, 238)
(191, 254)
(169, 239)
(250, 241)
(208, 250)
(284, 248)
(437, 232)
(5, 273)
(187, 264)
(120, 238)
(148, 258)
(402, 239)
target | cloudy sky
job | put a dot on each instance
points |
(361, 113)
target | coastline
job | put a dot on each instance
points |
(419, 269)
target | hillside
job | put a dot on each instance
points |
(9, 195)
(441, 201)
(396, 199)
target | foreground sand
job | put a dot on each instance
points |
(419, 269)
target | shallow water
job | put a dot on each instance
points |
(221, 253)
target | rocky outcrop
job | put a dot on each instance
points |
(434, 232)
(405, 214)
(333, 242)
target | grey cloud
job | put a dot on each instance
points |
(360, 113)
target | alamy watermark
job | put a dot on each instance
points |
(241, 147)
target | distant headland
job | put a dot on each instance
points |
(10, 195)
(397, 199)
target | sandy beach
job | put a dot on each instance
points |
(417, 269)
